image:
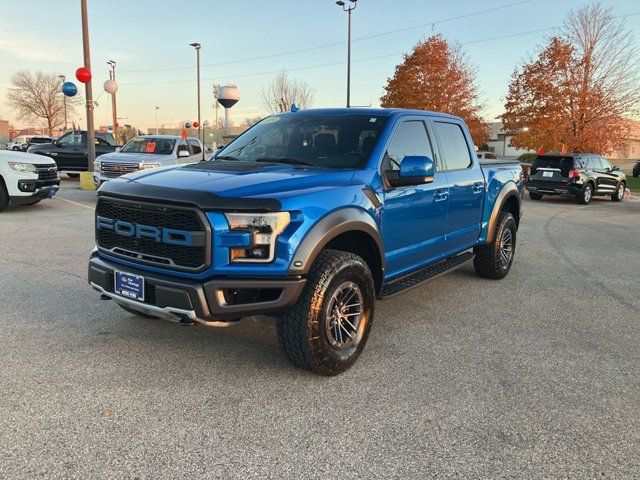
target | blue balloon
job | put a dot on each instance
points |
(69, 89)
(187, 125)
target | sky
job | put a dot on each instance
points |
(149, 40)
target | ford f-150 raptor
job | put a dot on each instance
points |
(310, 215)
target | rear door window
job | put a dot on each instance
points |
(454, 145)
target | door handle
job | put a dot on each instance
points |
(441, 195)
(478, 187)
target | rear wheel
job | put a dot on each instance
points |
(535, 196)
(619, 195)
(584, 197)
(327, 328)
(494, 260)
(4, 196)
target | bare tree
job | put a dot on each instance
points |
(250, 121)
(282, 92)
(39, 96)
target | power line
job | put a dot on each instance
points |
(328, 45)
(377, 57)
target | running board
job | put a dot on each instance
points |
(424, 275)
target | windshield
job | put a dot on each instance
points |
(158, 146)
(333, 141)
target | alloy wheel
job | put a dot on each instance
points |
(506, 248)
(345, 316)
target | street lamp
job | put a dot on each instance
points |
(64, 102)
(157, 108)
(352, 6)
(197, 46)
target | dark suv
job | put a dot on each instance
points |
(581, 175)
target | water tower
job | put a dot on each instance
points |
(228, 96)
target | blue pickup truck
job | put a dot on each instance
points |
(310, 215)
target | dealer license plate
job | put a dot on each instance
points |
(130, 286)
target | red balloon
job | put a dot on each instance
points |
(196, 124)
(83, 74)
(115, 124)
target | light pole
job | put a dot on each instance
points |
(112, 76)
(197, 47)
(157, 108)
(91, 143)
(352, 6)
(64, 102)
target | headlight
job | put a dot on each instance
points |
(148, 166)
(264, 229)
(97, 165)
(23, 167)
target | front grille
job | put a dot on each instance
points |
(149, 250)
(47, 172)
(115, 169)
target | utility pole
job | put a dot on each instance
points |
(157, 108)
(91, 142)
(64, 102)
(197, 46)
(352, 6)
(112, 76)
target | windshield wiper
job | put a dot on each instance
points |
(226, 157)
(290, 161)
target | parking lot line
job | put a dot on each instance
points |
(75, 203)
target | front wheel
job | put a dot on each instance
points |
(494, 259)
(327, 328)
(619, 195)
(584, 197)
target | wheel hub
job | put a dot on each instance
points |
(506, 248)
(344, 316)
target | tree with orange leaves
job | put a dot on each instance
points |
(437, 76)
(580, 90)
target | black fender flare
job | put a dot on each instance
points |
(508, 190)
(328, 228)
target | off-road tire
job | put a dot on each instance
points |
(135, 312)
(4, 195)
(535, 196)
(488, 260)
(585, 196)
(302, 329)
(619, 195)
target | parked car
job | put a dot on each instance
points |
(636, 169)
(311, 215)
(580, 175)
(145, 152)
(26, 179)
(36, 140)
(70, 151)
(486, 155)
(17, 143)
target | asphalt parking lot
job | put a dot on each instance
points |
(535, 376)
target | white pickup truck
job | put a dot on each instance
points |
(25, 179)
(145, 152)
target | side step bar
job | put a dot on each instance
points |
(424, 275)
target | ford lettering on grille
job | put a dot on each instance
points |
(163, 235)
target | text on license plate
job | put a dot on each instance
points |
(129, 285)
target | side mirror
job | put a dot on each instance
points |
(118, 149)
(615, 168)
(183, 153)
(414, 170)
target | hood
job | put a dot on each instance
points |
(23, 157)
(134, 157)
(238, 179)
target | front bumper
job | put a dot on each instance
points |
(212, 302)
(99, 178)
(31, 190)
